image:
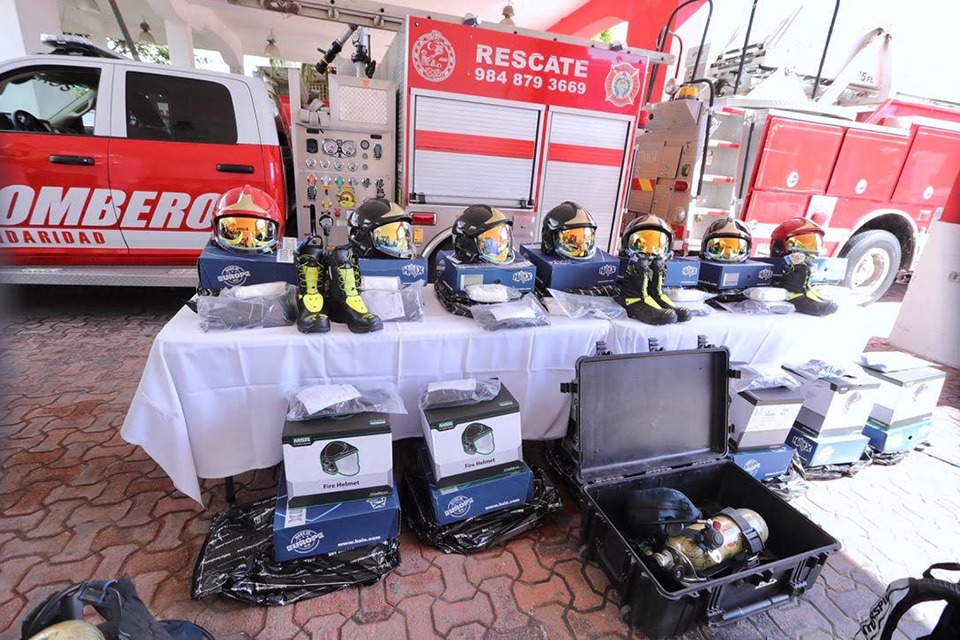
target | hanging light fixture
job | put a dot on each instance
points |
(508, 15)
(145, 36)
(87, 6)
(271, 50)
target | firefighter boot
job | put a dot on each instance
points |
(344, 303)
(311, 274)
(796, 280)
(635, 296)
(659, 269)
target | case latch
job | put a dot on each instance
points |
(733, 373)
(601, 348)
(569, 387)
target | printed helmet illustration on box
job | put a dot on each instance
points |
(477, 439)
(340, 458)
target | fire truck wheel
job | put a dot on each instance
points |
(873, 259)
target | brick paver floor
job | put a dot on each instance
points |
(78, 502)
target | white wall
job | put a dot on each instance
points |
(924, 37)
(928, 321)
(23, 22)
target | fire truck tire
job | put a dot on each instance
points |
(873, 259)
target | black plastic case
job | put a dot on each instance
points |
(660, 419)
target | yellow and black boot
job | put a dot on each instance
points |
(635, 290)
(658, 269)
(311, 278)
(344, 303)
(796, 280)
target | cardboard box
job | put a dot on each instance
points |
(723, 276)
(905, 395)
(766, 462)
(825, 270)
(410, 271)
(302, 532)
(763, 417)
(476, 497)
(835, 404)
(221, 269)
(681, 272)
(473, 441)
(816, 451)
(555, 272)
(519, 274)
(895, 438)
(336, 459)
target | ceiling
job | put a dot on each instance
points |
(297, 37)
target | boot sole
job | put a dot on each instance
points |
(371, 329)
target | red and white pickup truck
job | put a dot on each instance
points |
(109, 168)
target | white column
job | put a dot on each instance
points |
(23, 23)
(180, 41)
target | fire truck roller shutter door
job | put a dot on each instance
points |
(585, 158)
(467, 151)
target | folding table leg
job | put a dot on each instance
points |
(229, 488)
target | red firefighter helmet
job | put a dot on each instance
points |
(796, 235)
(247, 220)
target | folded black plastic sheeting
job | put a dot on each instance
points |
(834, 471)
(236, 560)
(479, 532)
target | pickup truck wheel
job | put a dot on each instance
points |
(873, 258)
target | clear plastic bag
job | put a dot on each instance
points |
(403, 305)
(891, 361)
(763, 377)
(244, 309)
(326, 400)
(453, 393)
(492, 293)
(525, 312)
(816, 369)
(759, 308)
(579, 306)
(693, 300)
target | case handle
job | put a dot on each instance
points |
(721, 616)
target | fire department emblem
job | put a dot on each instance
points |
(433, 57)
(622, 84)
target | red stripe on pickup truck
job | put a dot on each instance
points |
(474, 145)
(584, 155)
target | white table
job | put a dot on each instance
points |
(212, 405)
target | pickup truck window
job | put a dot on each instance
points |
(49, 99)
(162, 107)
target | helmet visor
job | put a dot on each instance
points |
(246, 233)
(727, 249)
(579, 243)
(496, 244)
(806, 242)
(349, 465)
(484, 444)
(393, 239)
(648, 242)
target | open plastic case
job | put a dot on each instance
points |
(659, 419)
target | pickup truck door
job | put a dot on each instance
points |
(180, 139)
(56, 206)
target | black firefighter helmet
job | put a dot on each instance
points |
(569, 231)
(483, 233)
(380, 228)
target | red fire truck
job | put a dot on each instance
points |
(873, 168)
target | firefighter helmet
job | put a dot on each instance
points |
(381, 228)
(647, 236)
(726, 240)
(247, 220)
(483, 233)
(569, 231)
(796, 235)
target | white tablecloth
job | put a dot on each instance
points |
(212, 405)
